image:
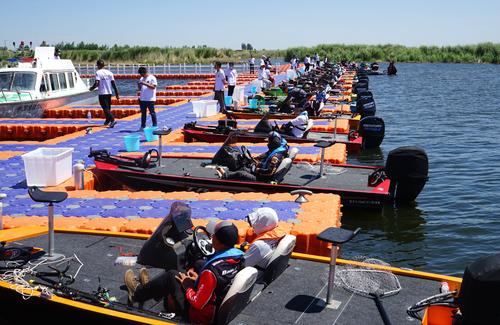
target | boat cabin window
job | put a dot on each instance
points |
(5, 80)
(54, 84)
(14, 81)
(62, 80)
(71, 82)
(43, 85)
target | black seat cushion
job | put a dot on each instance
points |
(38, 195)
(337, 235)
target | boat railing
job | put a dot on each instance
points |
(122, 68)
(19, 92)
(3, 94)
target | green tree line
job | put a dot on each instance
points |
(90, 52)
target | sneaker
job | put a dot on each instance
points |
(131, 282)
(143, 276)
(112, 124)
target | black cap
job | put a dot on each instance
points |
(225, 231)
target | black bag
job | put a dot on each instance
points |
(229, 157)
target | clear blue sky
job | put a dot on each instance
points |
(264, 24)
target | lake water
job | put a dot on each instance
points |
(453, 112)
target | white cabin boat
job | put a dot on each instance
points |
(46, 82)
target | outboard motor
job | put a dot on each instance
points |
(372, 129)
(168, 245)
(366, 107)
(407, 167)
(363, 95)
(478, 298)
(360, 86)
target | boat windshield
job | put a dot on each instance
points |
(17, 81)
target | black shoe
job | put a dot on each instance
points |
(112, 124)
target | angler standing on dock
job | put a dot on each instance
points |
(147, 86)
(232, 77)
(104, 80)
(251, 63)
(220, 81)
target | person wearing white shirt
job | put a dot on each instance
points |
(251, 63)
(232, 77)
(262, 60)
(104, 81)
(265, 77)
(147, 98)
(220, 82)
(307, 62)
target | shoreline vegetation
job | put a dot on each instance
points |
(90, 52)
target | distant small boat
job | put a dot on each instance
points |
(41, 83)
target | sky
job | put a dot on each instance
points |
(264, 24)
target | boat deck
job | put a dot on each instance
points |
(303, 174)
(296, 297)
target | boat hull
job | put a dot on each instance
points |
(35, 108)
(353, 145)
(155, 180)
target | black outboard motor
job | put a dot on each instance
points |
(478, 298)
(366, 107)
(168, 245)
(363, 95)
(407, 167)
(372, 129)
(360, 86)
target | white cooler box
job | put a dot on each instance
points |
(48, 166)
(204, 108)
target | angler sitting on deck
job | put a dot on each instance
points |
(264, 222)
(197, 296)
(294, 96)
(264, 166)
(298, 126)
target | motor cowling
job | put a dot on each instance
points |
(478, 298)
(366, 107)
(408, 168)
(372, 129)
(360, 86)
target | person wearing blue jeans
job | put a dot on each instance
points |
(147, 87)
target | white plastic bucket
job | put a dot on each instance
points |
(48, 166)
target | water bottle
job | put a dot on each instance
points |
(89, 117)
(78, 170)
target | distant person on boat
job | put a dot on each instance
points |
(374, 66)
(196, 295)
(296, 99)
(220, 82)
(104, 81)
(265, 225)
(57, 54)
(262, 60)
(147, 86)
(298, 126)
(391, 69)
(231, 77)
(265, 77)
(316, 60)
(264, 166)
(251, 63)
(307, 62)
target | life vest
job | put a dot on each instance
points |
(224, 266)
(282, 149)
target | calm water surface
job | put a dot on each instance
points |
(453, 112)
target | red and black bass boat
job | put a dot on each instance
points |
(249, 114)
(370, 135)
(402, 179)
